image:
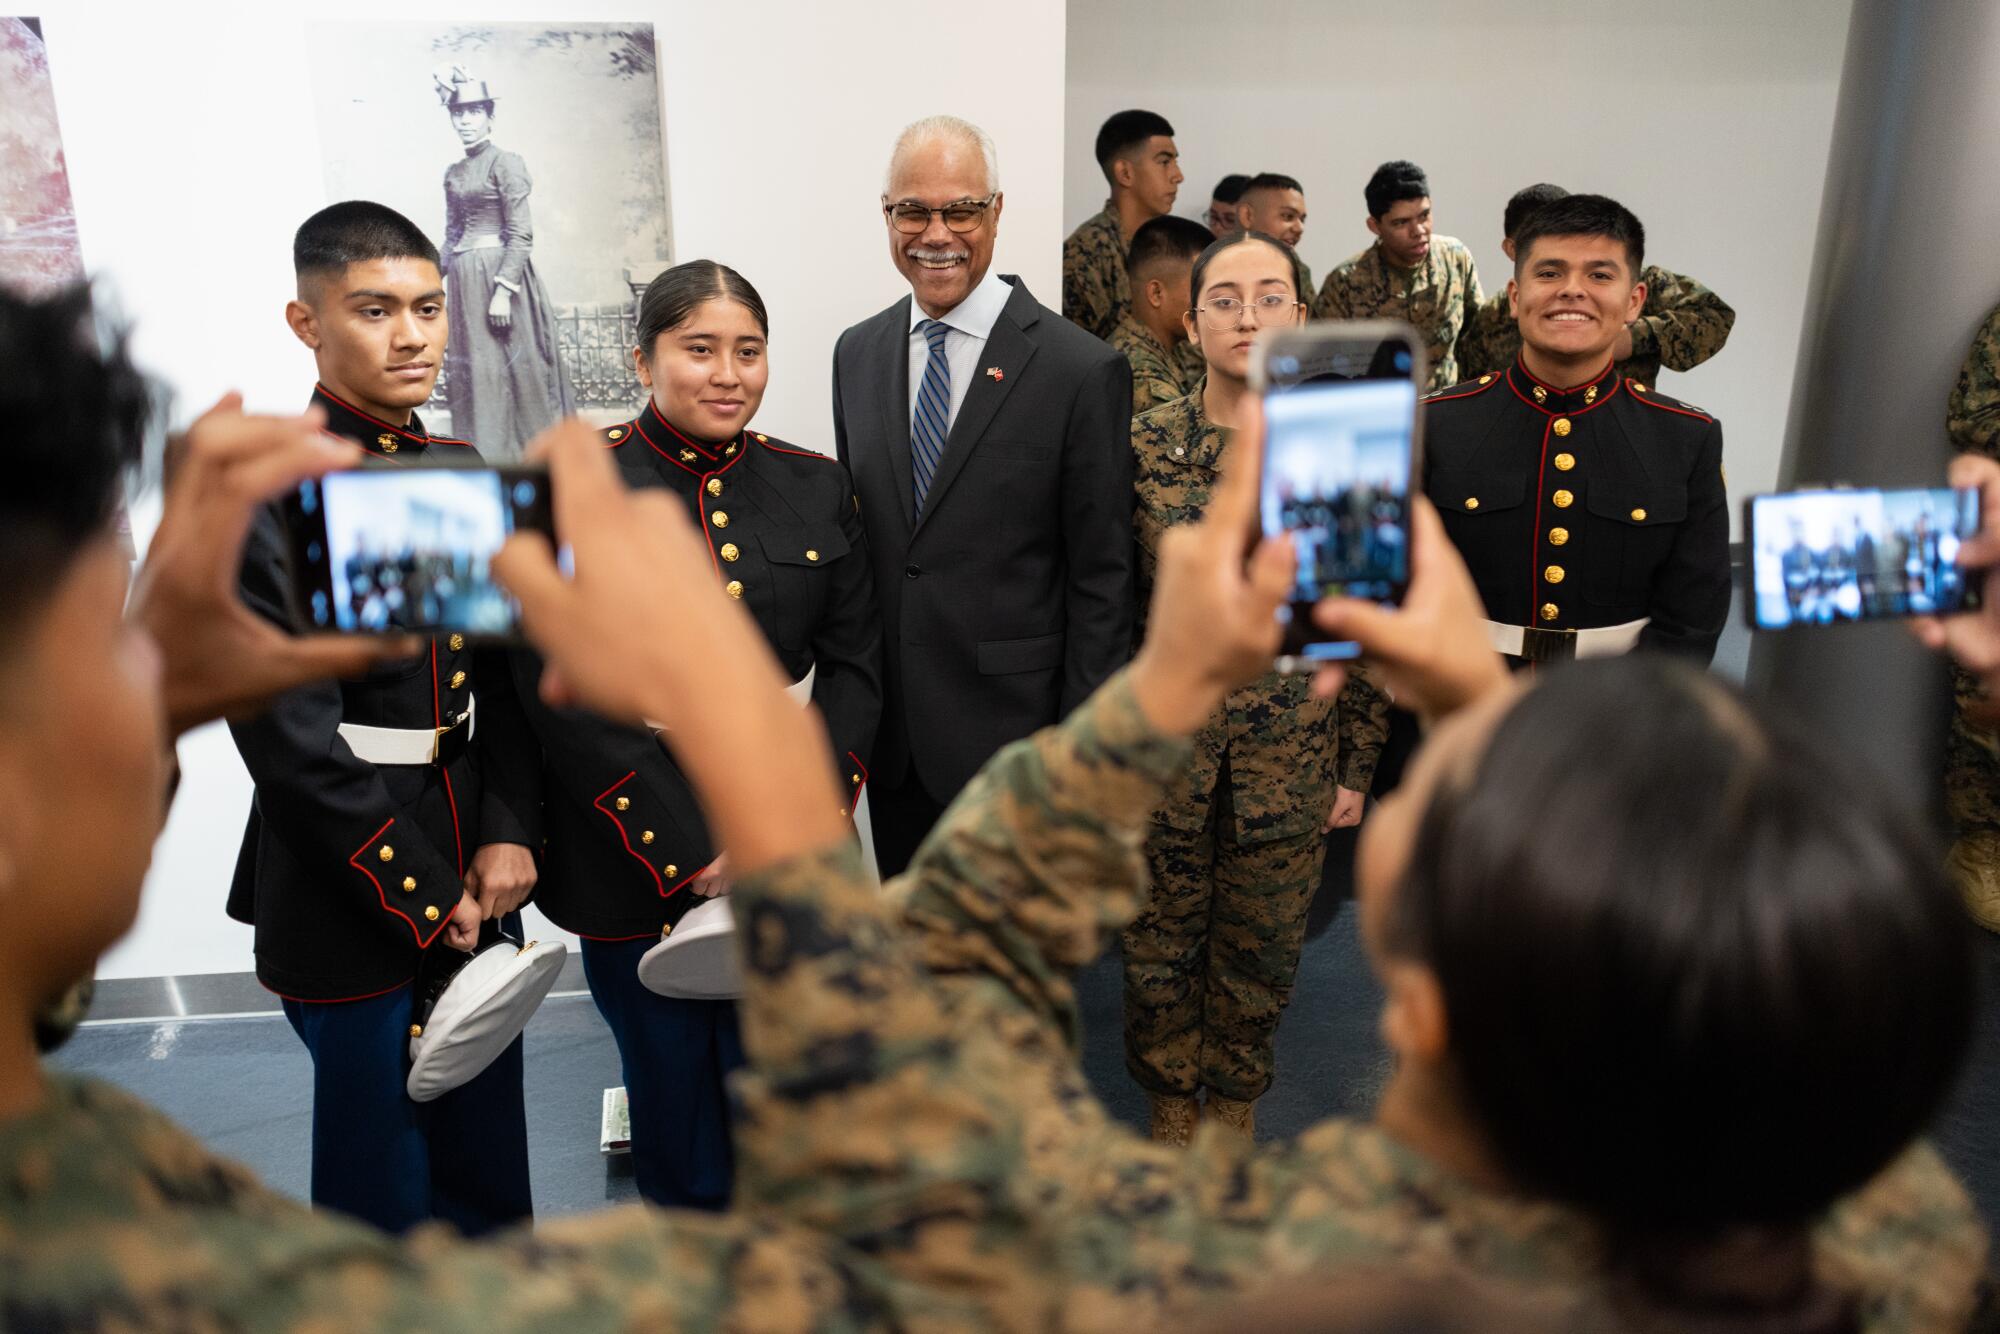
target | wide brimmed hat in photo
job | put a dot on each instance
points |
(696, 959)
(468, 1013)
(458, 87)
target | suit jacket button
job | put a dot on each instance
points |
(911, 571)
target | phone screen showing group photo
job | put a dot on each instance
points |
(1821, 557)
(1337, 478)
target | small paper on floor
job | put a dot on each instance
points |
(615, 1131)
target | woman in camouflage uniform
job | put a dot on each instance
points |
(1236, 850)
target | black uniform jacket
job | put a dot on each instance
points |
(624, 832)
(1584, 507)
(349, 870)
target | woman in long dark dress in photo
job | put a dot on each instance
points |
(503, 378)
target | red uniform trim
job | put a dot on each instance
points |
(403, 431)
(451, 799)
(646, 862)
(701, 506)
(1535, 538)
(1464, 389)
(1602, 398)
(801, 453)
(854, 802)
(708, 452)
(1652, 402)
(1598, 378)
(630, 429)
(356, 862)
(338, 1000)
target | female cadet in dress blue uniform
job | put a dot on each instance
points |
(627, 850)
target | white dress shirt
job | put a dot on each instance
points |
(970, 324)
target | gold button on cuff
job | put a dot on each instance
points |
(457, 680)
(1638, 516)
(1564, 462)
(729, 551)
(1541, 394)
(1564, 500)
(624, 803)
(719, 519)
(409, 884)
(457, 642)
(670, 870)
(416, 1030)
(1472, 502)
(1558, 536)
(1550, 611)
(1554, 574)
(715, 486)
(734, 588)
(812, 555)
(1561, 426)
(431, 913)
(646, 836)
(387, 854)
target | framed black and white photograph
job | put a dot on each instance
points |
(38, 242)
(533, 155)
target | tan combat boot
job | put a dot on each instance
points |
(1235, 1115)
(1174, 1116)
(1974, 866)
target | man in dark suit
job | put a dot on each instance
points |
(989, 442)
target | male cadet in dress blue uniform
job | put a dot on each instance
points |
(627, 848)
(1589, 508)
(394, 813)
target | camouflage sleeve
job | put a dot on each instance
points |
(1912, 1242)
(1682, 323)
(1085, 303)
(1474, 297)
(1149, 391)
(1973, 416)
(1475, 347)
(1362, 711)
(1331, 303)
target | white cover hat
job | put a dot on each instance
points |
(697, 958)
(483, 1007)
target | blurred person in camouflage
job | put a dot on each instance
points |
(1972, 752)
(1135, 150)
(1681, 325)
(1410, 273)
(1236, 851)
(1153, 332)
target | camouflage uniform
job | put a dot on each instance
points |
(1438, 296)
(1235, 851)
(1681, 325)
(1972, 752)
(1158, 373)
(1096, 290)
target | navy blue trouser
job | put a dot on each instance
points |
(676, 1054)
(395, 1163)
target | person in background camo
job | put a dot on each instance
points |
(1152, 333)
(1681, 325)
(1135, 150)
(1972, 751)
(1235, 852)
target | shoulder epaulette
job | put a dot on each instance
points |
(1658, 400)
(1468, 389)
(616, 435)
(777, 446)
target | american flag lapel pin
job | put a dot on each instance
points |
(995, 372)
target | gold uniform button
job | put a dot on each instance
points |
(734, 588)
(666, 930)
(1564, 500)
(1564, 462)
(715, 486)
(416, 1030)
(729, 551)
(854, 778)
(409, 884)
(646, 836)
(1638, 388)
(457, 642)
(431, 913)
(1561, 426)
(1541, 394)
(1472, 502)
(387, 854)
(719, 519)
(617, 433)
(1550, 611)
(1486, 378)
(1638, 516)
(670, 870)
(1554, 574)
(1558, 536)
(624, 803)
(763, 439)
(811, 554)
(457, 680)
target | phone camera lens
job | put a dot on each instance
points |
(314, 552)
(319, 608)
(308, 496)
(524, 494)
(1402, 361)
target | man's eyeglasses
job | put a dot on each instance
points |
(961, 215)
(1217, 218)
(1226, 312)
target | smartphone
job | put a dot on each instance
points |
(1341, 442)
(1818, 557)
(394, 550)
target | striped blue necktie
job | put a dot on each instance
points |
(930, 422)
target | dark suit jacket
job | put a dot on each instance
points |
(1010, 598)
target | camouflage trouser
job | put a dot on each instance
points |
(1972, 799)
(1209, 963)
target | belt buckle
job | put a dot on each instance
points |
(438, 734)
(1538, 645)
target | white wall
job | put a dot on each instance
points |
(192, 155)
(1711, 119)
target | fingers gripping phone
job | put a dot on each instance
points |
(1823, 556)
(397, 550)
(1341, 442)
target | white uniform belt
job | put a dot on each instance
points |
(404, 745)
(1606, 641)
(800, 692)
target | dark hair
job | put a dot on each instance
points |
(1166, 238)
(354, 232)
(1273, 180)
(672, 297)
(1230, 188)
(1583, 215)
(1699, 976)
(1392, 183)
(75, 414)
(1125, 131)
(1525, 202)
(1242, 237)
